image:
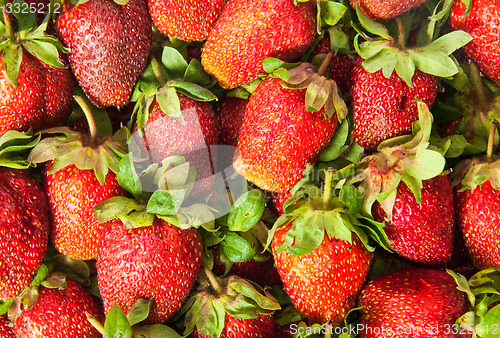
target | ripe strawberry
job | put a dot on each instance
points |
(384, 107)
(77, 179)
(159, 262)
(109, 47)
(323, 284)
(482, 23)
(277, 202)
(24, 230)
(385, 10)
(59, 313)
(248, 31)
(185, 20)
(289, 137)
(411, 303)
(422, 232)
(5, 330)
(230, 116)
(260, 327)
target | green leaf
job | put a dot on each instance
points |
(237, 248)
(127, 176)
(243, 287)
(352, 198)
(174, 62)
(26, 19)
(169, 101)
(165, 203)
(247, 211)
(117, 325)
(450, 42)
(386, 61)
(196, 74)
(140, 311)
(405, 68)
(114, 207)
(434, 62)
(372, 26)
(332, 12)
(271, 64)
(369, 49)
(12, 58)
(41, 274)
(44, 51)
(337, 144)
(427, 165)
(193, 91)
(156, 331)
(490, 326)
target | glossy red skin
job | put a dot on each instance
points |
(160, 261)
(324, 284)
(248, 31)
(260, 327)
(42, 99)
(60, 313)
(478, 218)
(339, 68)
(422, 232)
(230, 115)
(166, 136)
(277, 202)
(24, 230)
(109, 47)
(185, 19)
(384, 108)
(72, 195)
(279, 138)
(263, 273)
(483, 24)
(5, 330)
(386, 9)
(424, 298)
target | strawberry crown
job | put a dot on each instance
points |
(381, 51)
(409, 159)
(164, 80)
(14, 148)
(215, 297)
(29, 37)
(483, 292)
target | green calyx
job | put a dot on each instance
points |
(483, 292)
(24, 34)
(332, 211)
(409, 159)
(381, 51)
(164, 81)
(321, 93)
(14, 148)
(470, 173)
(158, 191)
(215, 297)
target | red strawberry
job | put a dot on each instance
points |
(411, 303)
(477, 198)
(384, 10)
(185, 20)
(5, 330)
(159, 261)
(248, 31)
(260, 327)
(109, 47)
(24, 230)
(277, 202)
(42, 99)
(59, 313)
(384, 107)
(482, 23)
(422, 232)
(288, 138)
(230, 115)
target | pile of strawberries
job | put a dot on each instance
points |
(250, 168)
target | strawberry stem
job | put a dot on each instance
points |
(491, 139)
(95, 323)
(324, 65)
(478, 84)
(157, 71)
(213, 280)
(401, 33)
(8, 25)
(90, 120)
(327, 192)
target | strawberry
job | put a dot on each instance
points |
(413, 302)
(289, 137)
(248, 31)
(480, 20)
(277, 202)
(230, 114)
(24, 230)
(109, 47)
(185, 20)
(160, 261)
(375, 119)
(422, 231)
(385, 10)
(79, 176)
(262, 326)
(5, 330)
(35, 89)
(58, 313)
